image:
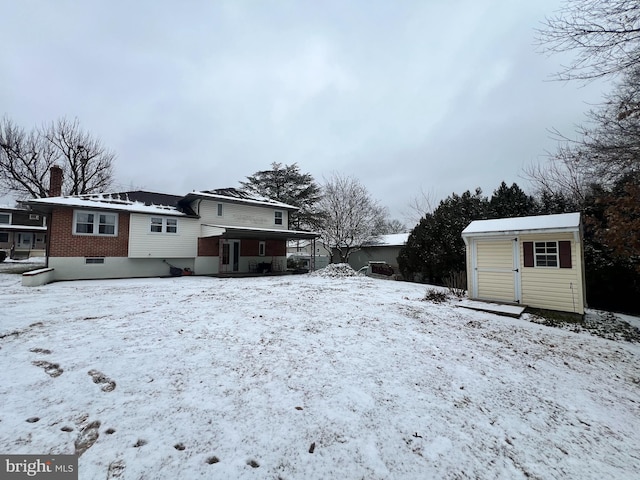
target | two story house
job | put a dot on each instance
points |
(23, 233)
(142, 234)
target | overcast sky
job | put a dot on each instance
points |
(407, 96)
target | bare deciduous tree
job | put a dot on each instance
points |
(26, 157)
(604, 33)
(349, 215)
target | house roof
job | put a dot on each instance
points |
(511, 226)
(238, 196)
(136, 201)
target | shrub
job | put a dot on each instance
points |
(435, 296)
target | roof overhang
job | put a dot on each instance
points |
(257, 233)
(515, 233)
(24, 228)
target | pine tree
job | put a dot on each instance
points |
(286, 184)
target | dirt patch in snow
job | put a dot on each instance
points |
(602, 324)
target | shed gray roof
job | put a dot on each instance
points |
(561, 221)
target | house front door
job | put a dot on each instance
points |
(24, 241)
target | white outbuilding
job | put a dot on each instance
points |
(536, 261)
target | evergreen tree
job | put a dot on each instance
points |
(287, 184)
(511, 201)
(435, 247)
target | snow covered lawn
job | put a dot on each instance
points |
(306, 377)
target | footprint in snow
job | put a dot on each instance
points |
(108, 385)
(87, 437)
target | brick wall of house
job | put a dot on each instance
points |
(249, 248)
(276, 248)
(208, 247)
(63, 243)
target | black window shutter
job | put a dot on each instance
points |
(564, 248)
(528, 254)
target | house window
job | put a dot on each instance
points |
(164, 225)
(95, 223)
(546, 254)
(261, 249)
(4, 237)
(94, 260)
(278, 218)
(219, 209)
(5, 218)
(156, 225)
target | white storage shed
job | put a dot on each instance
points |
(535, 261)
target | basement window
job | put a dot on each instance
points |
(94, 260)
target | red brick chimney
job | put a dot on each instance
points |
(55, 181)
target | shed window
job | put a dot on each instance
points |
(547, 254)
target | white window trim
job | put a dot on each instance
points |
(557, 254)
(10, 217)
(275, 217)
(96, 223)
(163, 226)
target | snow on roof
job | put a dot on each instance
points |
(391, 240)
(562, 221)
(232, 194)
(105, 201)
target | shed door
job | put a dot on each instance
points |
(497, 270)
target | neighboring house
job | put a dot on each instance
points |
(141, 234)
(534, 261)
(385, 248)
(23, 234)
(307, 254)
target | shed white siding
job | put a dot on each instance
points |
(240, 215)
(146, 244)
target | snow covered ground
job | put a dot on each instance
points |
(306, 377)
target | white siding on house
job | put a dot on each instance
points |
(145, 244)
(239, 215)
(553, 288)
